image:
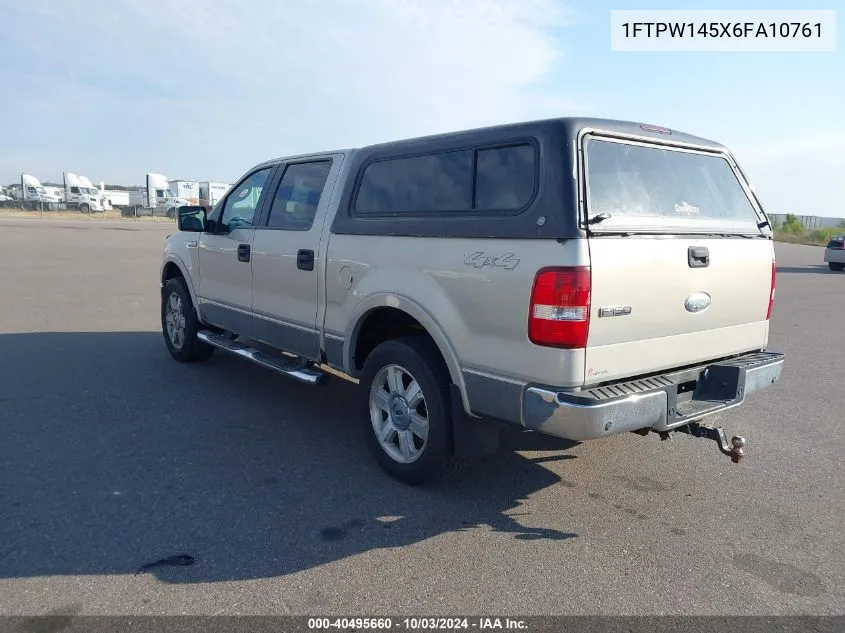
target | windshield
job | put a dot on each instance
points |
(168, 193)
(40, 190)
(93, 191)
(646, 185)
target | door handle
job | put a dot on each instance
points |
(243, 252)
(698, 257)
(305, 259)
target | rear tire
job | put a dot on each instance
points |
(835, 266)
(180, 324)
(405, 410)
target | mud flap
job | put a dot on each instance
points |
(471, 437)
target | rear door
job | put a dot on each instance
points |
(287, 268)
(681, 270)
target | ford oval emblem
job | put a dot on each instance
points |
(697, 302)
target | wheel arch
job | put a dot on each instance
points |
(173, 267)
(402, 304)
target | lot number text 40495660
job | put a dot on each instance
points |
(418, 624)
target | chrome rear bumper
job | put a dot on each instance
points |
(659, 402)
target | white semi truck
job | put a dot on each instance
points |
(32, 194)
(5, 199)
(81, 194)
(211, 192)
(156, 198)
(94, 190)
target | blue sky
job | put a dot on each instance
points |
(203, 89)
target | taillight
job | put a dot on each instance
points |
(772, 291)
(559, 313)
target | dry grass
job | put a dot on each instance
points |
(818, 237)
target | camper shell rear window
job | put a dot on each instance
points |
(643, 185)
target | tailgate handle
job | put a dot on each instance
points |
(698, 257)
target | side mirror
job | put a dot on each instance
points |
(191, 219)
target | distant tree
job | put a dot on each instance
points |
(841, 224)
(792, 225)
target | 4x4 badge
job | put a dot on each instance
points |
(508, 261)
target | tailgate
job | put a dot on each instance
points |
(680, 271)
(678, 315)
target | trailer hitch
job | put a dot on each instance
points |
(735, 450)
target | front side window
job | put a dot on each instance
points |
(240, 207)
(298, 195)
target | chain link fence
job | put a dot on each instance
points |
(810, 222)
(61, 210)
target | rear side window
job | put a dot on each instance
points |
(504, 178)
(298, 195)
(644, 181)
(417, 184)
(464, 181)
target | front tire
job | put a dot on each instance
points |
(405, 409)
(180, 324)
(835, 266)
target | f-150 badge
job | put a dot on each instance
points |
(508, 261)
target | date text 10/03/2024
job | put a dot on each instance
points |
(417, 624)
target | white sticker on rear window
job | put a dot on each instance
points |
(685, 208)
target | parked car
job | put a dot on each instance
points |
(576, 277)
(834, 254)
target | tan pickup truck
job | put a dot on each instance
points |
(577, 277)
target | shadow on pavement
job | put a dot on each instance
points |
(114, 456)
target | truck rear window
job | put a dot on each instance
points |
(667, 185)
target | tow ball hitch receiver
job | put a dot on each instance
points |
(735, 450)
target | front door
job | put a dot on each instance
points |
(225, 256)
(287, 267)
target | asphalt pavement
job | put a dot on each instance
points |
(113, 456)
